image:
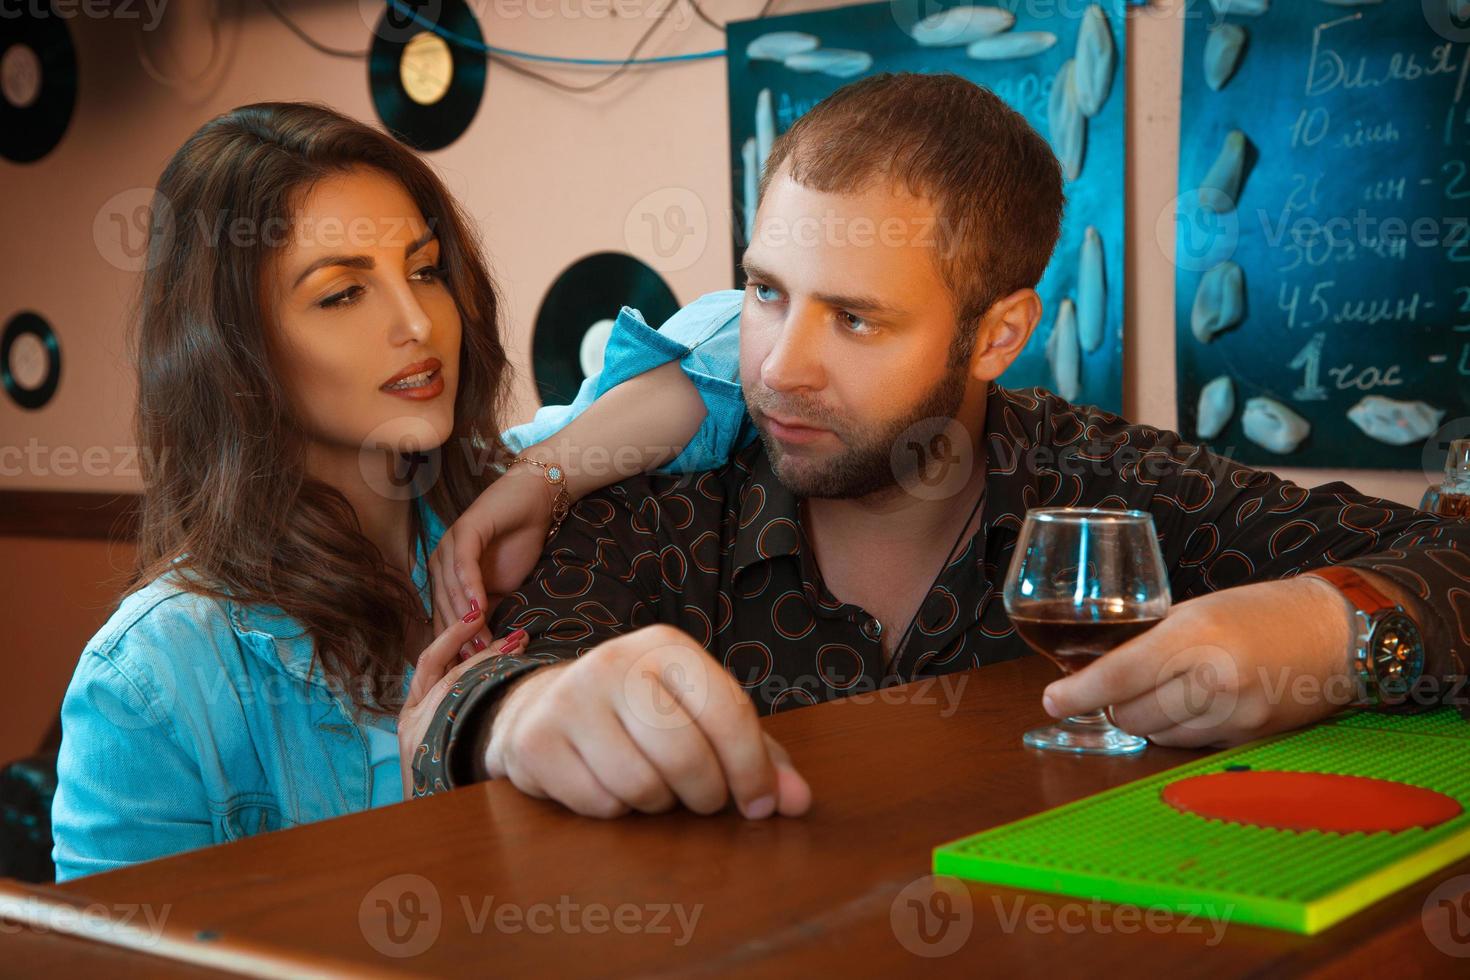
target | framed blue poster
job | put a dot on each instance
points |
(1323, 238)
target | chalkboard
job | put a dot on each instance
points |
(885, 33)
(1348, 228)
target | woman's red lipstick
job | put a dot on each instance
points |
(420, 381)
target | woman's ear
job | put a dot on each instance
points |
(1004, 332)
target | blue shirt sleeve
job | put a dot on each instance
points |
(704, 337)
(127, 790)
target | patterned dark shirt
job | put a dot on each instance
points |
(722, 555)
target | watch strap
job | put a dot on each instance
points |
(1358, 590)
(1380, 678)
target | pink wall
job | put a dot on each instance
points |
(549, 176)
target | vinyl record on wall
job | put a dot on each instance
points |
(577, 314)
(426, 88)
(30, 360)
(38, 82)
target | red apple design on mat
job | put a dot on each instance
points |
(1329, 802)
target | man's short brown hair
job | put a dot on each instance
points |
(994, 181)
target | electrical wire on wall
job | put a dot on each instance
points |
(221, 45)
(510, 59)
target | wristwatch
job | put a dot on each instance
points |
(562, 502)
(1388, 651)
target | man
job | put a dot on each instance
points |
(903, 225)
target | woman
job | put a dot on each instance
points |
(321, 381)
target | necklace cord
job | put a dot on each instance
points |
(913, 620)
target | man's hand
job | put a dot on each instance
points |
(1225, 668)
(641, 722)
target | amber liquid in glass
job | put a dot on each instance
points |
(1072, 636)
(1453, 505)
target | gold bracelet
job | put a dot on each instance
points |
(562, 503)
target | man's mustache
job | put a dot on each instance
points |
(799, 410)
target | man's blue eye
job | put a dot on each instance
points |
(853, 321)
(768, 296)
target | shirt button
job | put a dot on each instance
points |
(872, 629)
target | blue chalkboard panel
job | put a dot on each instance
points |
(767, 95)
(1343, 324)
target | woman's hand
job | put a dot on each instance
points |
(437, 670)
(490, 550)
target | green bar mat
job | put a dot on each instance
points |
(1445, 722)
(1127, 845)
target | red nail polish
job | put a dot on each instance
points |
(474, 605)
(471, 616)
(478, 644)
(515, 639)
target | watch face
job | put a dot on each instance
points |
(1397, 652)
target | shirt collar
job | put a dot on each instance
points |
(769, 513)
(1013, 421)
(1026, 470)
(433, 531)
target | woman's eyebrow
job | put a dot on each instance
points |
(419, 242)
(361, 261)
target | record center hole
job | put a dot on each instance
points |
(594, 346)
(20, 75)
(29, 364)
(426, 68)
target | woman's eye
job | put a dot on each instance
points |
(765, 293)
(339, 299)
(432, 273)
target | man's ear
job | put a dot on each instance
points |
(1004, 332)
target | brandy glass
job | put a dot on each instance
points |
(1082, 582)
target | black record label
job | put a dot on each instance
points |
(38, 82)
(30, 360)
(578, 312)
(427, 87)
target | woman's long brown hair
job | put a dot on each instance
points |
(227, 504)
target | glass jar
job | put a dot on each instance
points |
(1451, 498)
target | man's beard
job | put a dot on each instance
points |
(867, 464)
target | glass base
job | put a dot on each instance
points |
(1090, 734)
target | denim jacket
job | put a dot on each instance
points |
(193, 721)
